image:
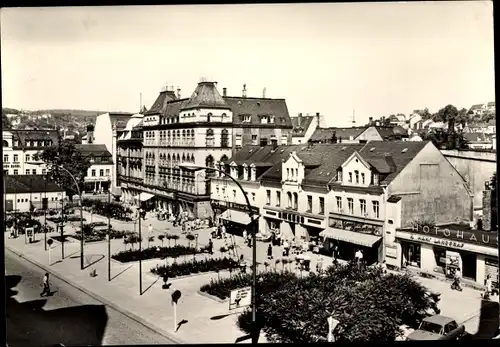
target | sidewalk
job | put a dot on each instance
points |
(123, 290)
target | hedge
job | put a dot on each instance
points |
(194, 267)
(368, 304)
(155, 252)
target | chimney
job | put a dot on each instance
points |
(377, 123)
(90, 133)
(318, 119)
(224, 92)
(299, 119)
(370, 120)
(390, 161)
(264, 93)
(178, 93)
(244, 93)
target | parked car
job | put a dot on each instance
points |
(438, 327)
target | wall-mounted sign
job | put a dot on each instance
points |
(391, 252)
(348, 225)
(437, 241)
(313, 221)
(478, 237)
(240, 298)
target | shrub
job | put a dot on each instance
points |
(194, 266)
(153, 252)
(368, 305)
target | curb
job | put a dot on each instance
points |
(103, 300)
(212, 297)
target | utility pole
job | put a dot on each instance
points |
(140, 254)
(109, 232)
(62, 226)
(45, 215)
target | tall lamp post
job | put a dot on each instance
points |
(109, 231)
(82, 265)
(253, 230)
(138, 219)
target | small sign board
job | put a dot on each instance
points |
(241, 297)
(29, 231)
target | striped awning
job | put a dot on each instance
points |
(361, 239)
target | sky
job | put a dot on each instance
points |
(366, 59)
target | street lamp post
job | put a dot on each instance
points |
(109, 232)
(253, 230)
(82, 265)
(138, 219)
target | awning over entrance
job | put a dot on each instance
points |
(350, 236)
(145, 196)
(236, 216)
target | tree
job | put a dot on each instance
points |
(66, 155)
(150, 239)
(161, 238)
(6, 124)
(425, 114)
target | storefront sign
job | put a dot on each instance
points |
(470, 236)
(437, 241)
(313, 221)
(271, 213)
(348, 225)
(391, 252)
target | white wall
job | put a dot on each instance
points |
(201, 115)
(21, 202)
(97, 168)
(103, 132)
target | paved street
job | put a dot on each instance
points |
(68, 316)
(197, 310)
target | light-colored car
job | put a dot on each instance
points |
(437, 327)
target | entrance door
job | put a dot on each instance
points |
(411, 252)
(469, 265)
(9, 205)
(45, 203)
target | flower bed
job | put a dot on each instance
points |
(194, 266)
(65, 219)
(155, 252)
(89, 238)
(116, 210)
(222, 287)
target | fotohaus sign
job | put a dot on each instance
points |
(477, 237)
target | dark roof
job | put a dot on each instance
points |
(325, 134)
(477, 106)
(391, 157)
(37, 135)
(389, 132)
(438, 319)
(161, 101)
(206, 95)
(257, 107)
(96, 150)
(329, 157)
(394, 198)
(29, 183)
(300, 125)
(261, 156)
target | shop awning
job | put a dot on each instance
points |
(350, 236)
(145, 196)
(236, 216)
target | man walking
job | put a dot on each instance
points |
(270, 252)
(210, 247)
(46, 285)
(358, 256)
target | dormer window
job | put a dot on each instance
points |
(375, 179)
(288, 174)
(272, 119)
(356, 176)
(350, 177)
(253, 174)
(339, 175)
(363, 178)
(247, 119)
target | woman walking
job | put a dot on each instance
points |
(270, 252)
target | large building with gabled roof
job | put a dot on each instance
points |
(398, 201)
(204, 129)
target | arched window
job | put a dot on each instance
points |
(289, 196)
(210, 138)
(295, 200)
(183, 157)
(178, 133)
(209, 162)
(224, 159)
(168, 157)
(173, 134)
(192, 158)
(5, 143)
(178, 157)
(209, 115)
(224, 138)
(183, 133)
(224, 115)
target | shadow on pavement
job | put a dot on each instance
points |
(90, 256)
(489, 319)
(28, 324)
(152, 284)
(182, 322)
(118, 274)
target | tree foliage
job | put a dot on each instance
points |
(66, 155)
(369, 305)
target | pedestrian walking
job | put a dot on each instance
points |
(46, 285)
(358, 256)
(243, 264)
(210, 247)
(223, 231)
(245, 235)
(286, 247)
(487, 289)
(456, 280)
(270, 252)
(319, 264)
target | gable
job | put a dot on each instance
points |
(356, 157)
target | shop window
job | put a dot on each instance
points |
(440, 258)
(268, 197)
(309, 203)
(411, 252)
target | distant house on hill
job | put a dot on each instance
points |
(359, 134)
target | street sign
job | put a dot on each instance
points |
(240, 298)
(176, 296)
